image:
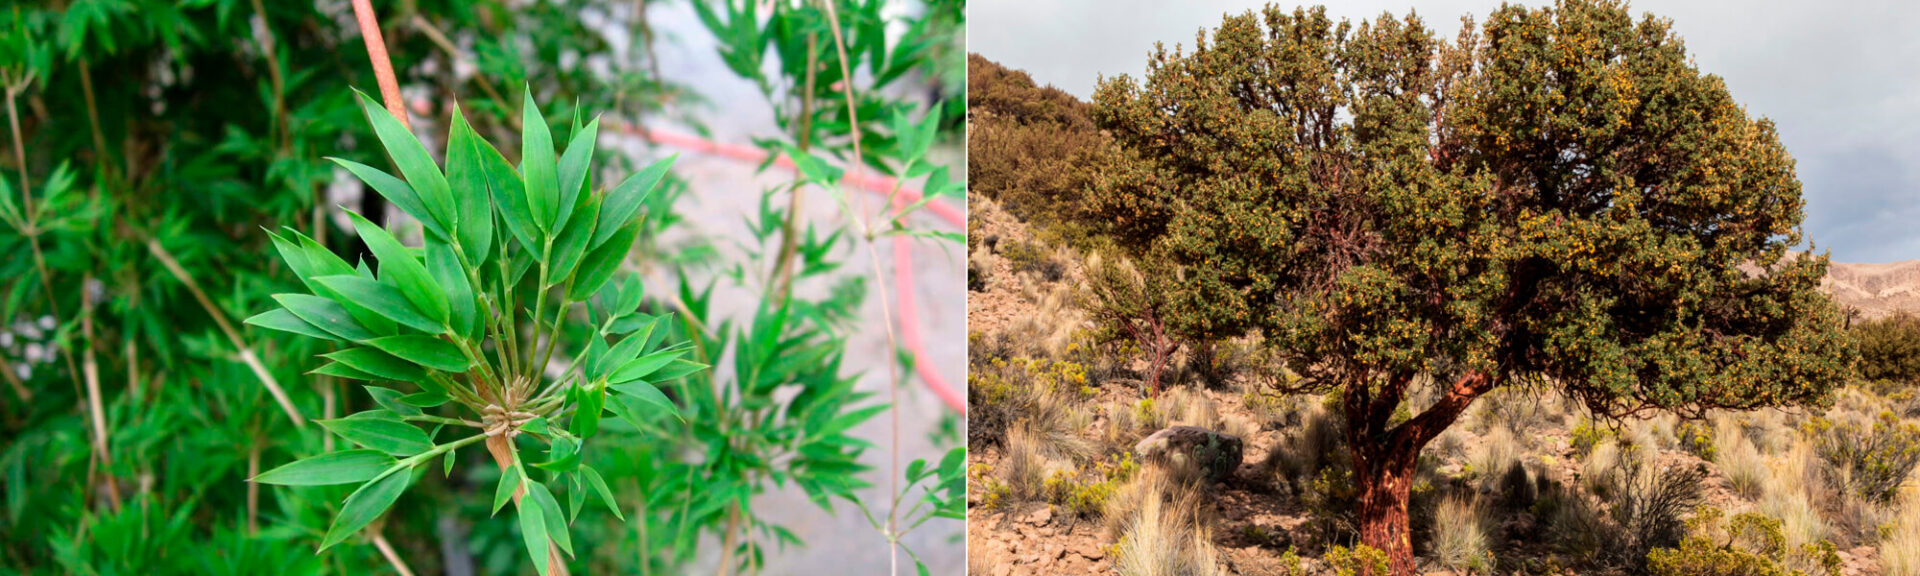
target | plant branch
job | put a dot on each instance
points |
(233, 336)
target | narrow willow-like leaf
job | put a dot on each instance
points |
(576, 497)
(366, 504)
(537, 164)
(285, 321)
(390, 436)
(571, 244)
(377, 363)
(414, 162)
(625, 200)
(509, 483)
(341, 467)
(390, 399)
(620, 354)
(468, 178)
(385, 300)
(600, 486)
(533, 529)
(648, 396)
(550, 509)
(575, 168)
(338, 370)
(643, 366)
(588, 403)
(311, 261)
(398, 266)
(445, 268)
(599, 264)
(426, 399)
(396, 191)
(324, 314)
(426, 351)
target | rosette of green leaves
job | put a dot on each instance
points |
(436, 330)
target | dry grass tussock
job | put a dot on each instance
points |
(1162, 529)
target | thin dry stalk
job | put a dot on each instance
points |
(220, 318)
(97, 411)
(386, 548)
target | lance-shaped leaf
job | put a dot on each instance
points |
(643, 366)
(648, 396)
(396, 191)
(398, 266)
(426, 351)
(550, 509)
(341, 467)
(445, 268)
(600, 486)
(324, 314)
(533, 529)
(571, 244)
(537, 164)
(339, 370)
(625, 200)
(377, 363)
(414, 162)
(383, 434)
(600, 263)
(385, 300)
(390, 399)
(575, 168)
(285, 321)
(509, 483)
(366, 504)
(468, 178)
(311, 261)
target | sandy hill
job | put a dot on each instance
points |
(1877, 290)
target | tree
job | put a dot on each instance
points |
(1557, 199)
(1131, 306)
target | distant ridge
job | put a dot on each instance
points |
(1876, 290)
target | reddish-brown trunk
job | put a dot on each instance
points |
(1386, 479)
(1383, 463)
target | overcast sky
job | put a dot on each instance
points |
(1842, 80)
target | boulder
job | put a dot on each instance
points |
(1215, 454)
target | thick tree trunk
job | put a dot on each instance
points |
(1383, 462)
(1385, 474)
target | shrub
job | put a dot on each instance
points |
(1753, 546)
(1696, 438)
(1586, 435)
(1029, 256)
(1361, 560)
(1648, 503)
(1573, 524)
(1460, 541)
(1889, 348)
(1872, 461)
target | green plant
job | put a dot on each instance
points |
(1873, 460)
(1748, 545)
(1411, 224)
(1361, 560)
(448, 323)
(1889, 348)
(1696, 438)
(1588, 434)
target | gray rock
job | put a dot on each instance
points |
(1218, 455)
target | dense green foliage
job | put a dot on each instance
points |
(1028, 147)
(1889, 348)
(1558, 198)
(159, 152)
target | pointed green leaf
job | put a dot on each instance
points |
(648, 396)
(643, 366)
(445, 268)
(600, 264)
(426, 351)
(310, 261)
(588, 404)
(509, 483)
(537, 167)
(575, 168)
(366, 504)
(625, 200)
(426, 399)
(339, 370)
(414, 162)
(398, 266)
(378, 363)
(390, 399)
(390, 436)
(396, 191)
(571, 244)
(600, 486)
(468, 179)
(576, 497)
(324, 314)
(341, 467)
(533, 528)
(550, 509)
(285, 321)
(385, 300)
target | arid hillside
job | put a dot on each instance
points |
(1876, 290)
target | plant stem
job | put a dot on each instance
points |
(233, 336)
(382, 65)
(386, 548)
(94, 405)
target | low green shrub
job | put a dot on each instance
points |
(1870, 460)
